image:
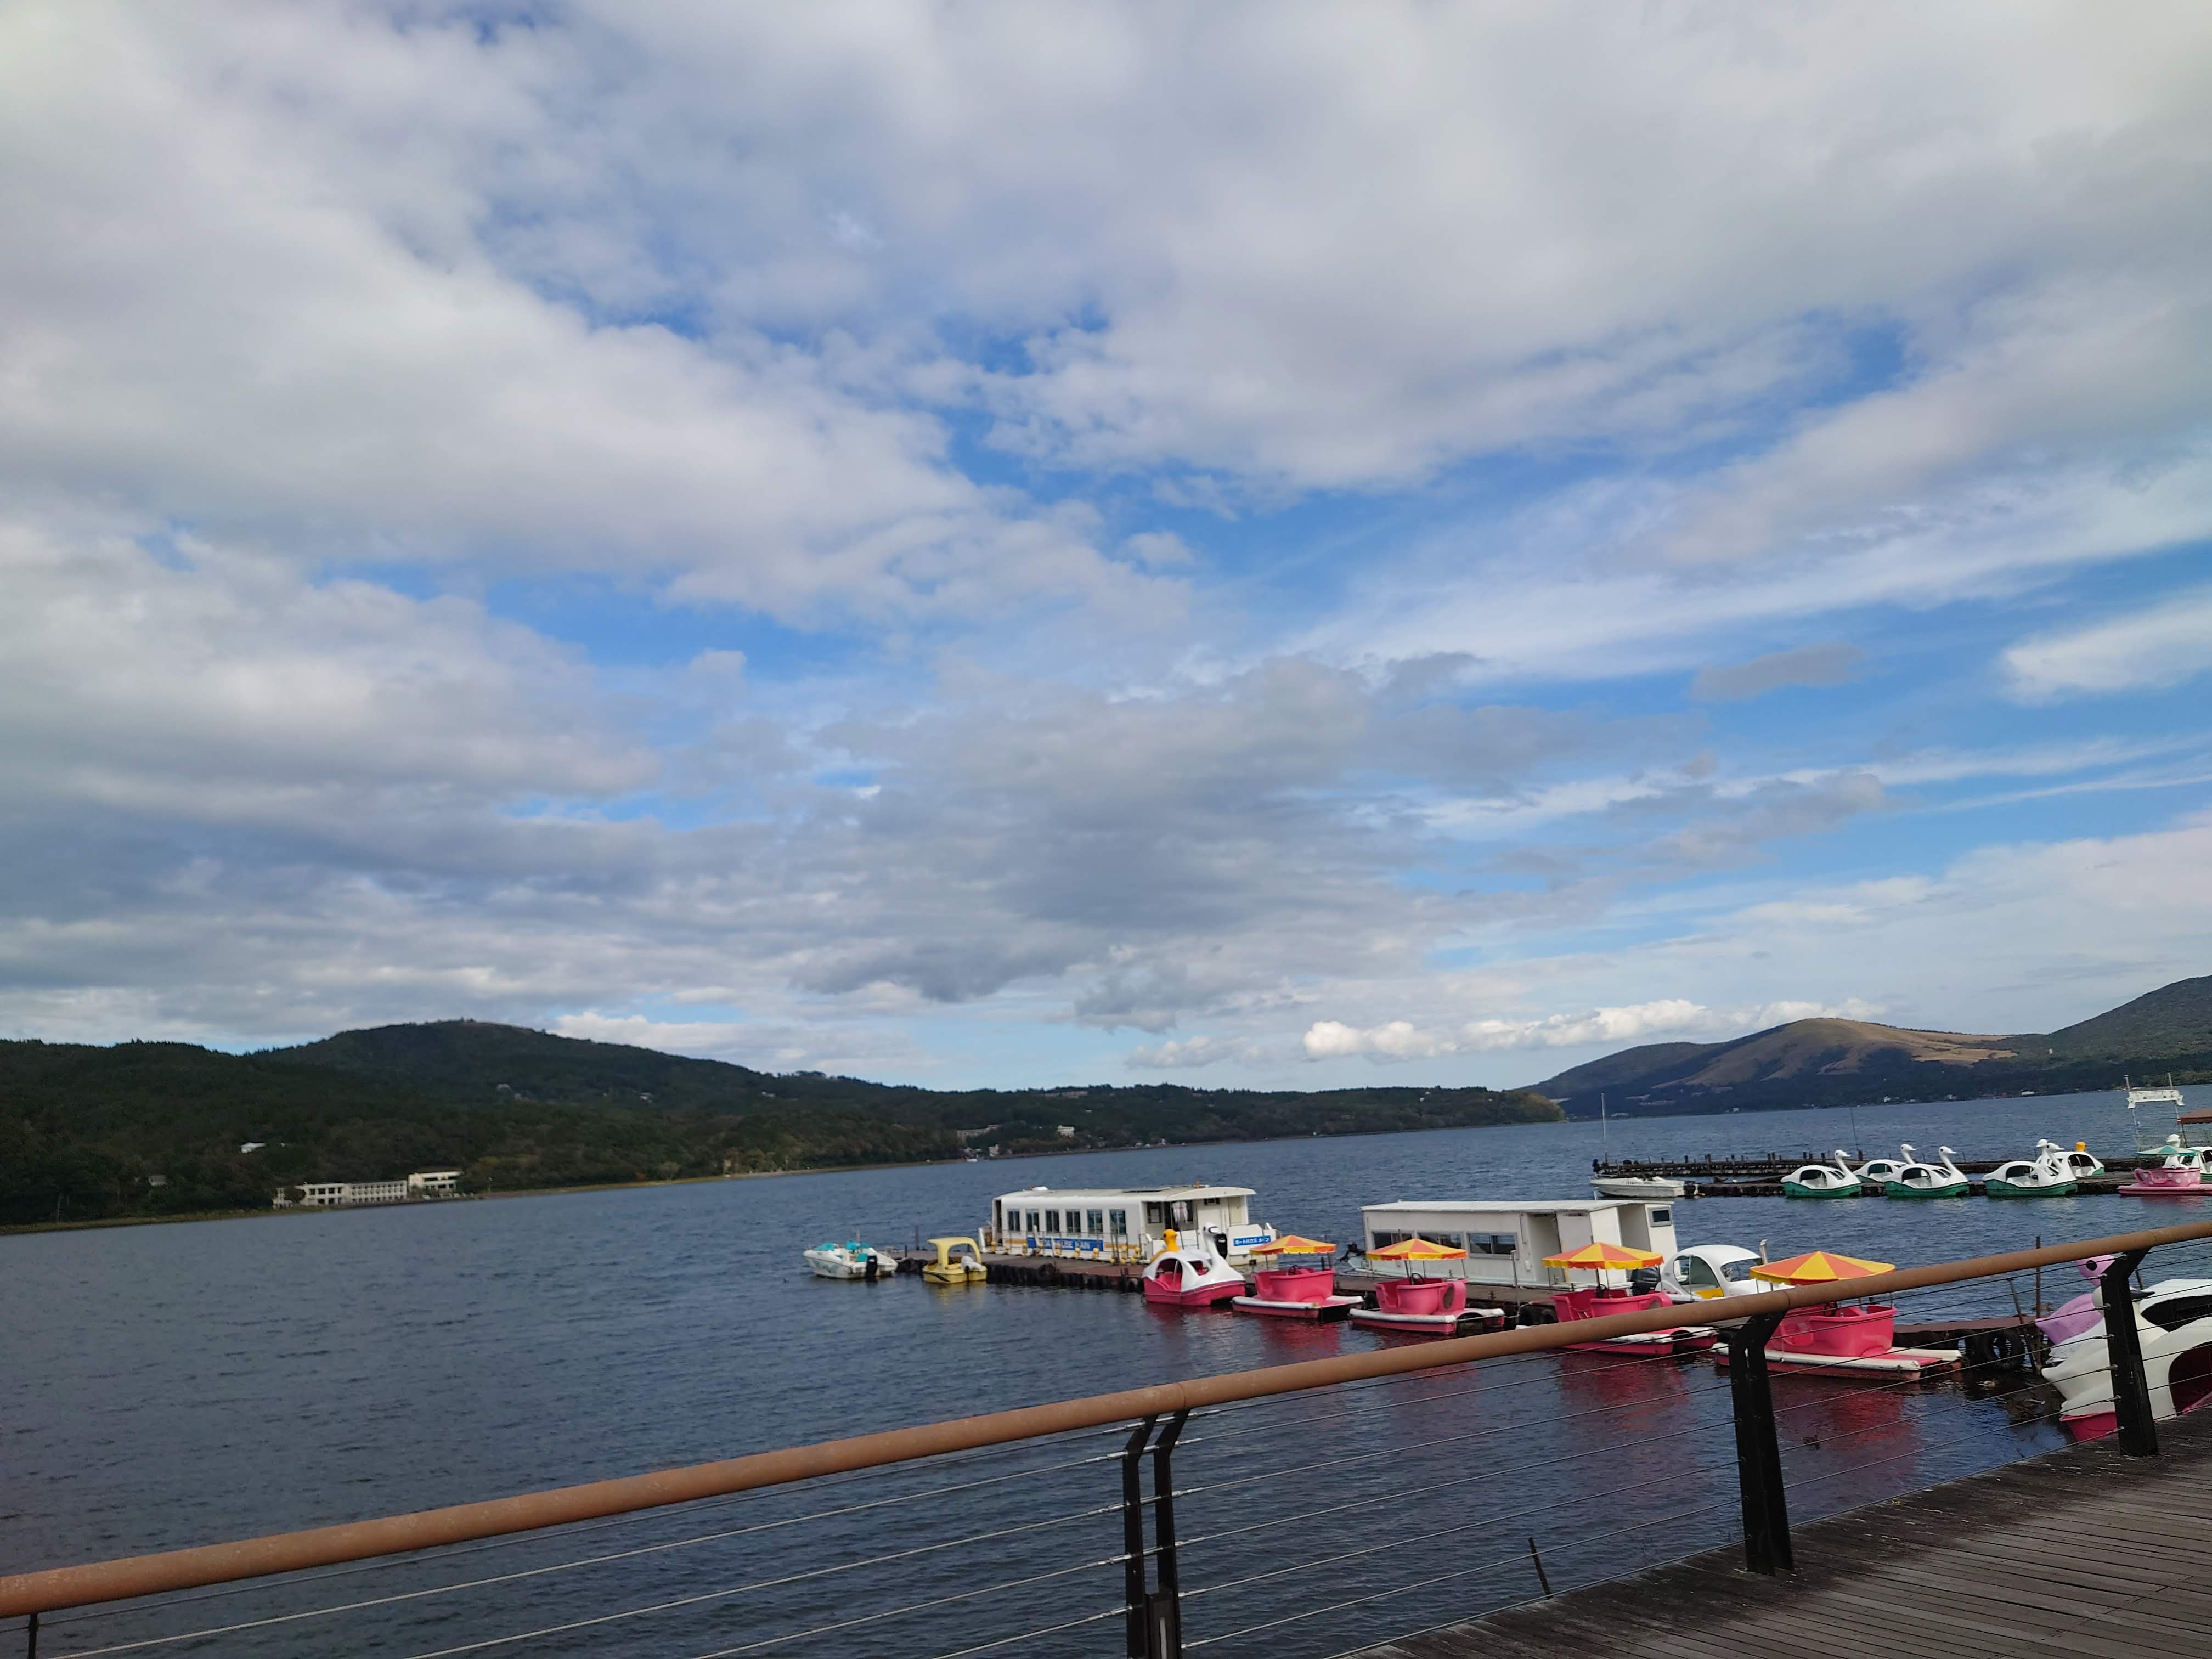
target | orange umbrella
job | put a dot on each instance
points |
(1819, 1268)
(1292, 1245)
(1602, 1256)
(1415, 1249)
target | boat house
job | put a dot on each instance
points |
(1506, 1240)
(1123, 1224)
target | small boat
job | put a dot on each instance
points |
(2044, 1176)
(2173, 1328)
(1916, 1180)
(1603, 1300)
(1418, 1303)
(851, 1260)
(1835, 1179)
(2177, 1172)
(1705, 1273)
(2081, 1161)
(1660, 1186)
(1877, 1173)
(959, 1261)
(1190, 1276)
(1303, 1291)
(1838, 1337)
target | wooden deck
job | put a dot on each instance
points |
(2082, 1552)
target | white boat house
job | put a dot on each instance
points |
(1506, 1240)
(1122, 1224)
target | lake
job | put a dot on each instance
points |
(188, 1383)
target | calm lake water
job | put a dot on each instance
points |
(163, 1386)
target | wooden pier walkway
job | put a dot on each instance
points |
(2081, 1552)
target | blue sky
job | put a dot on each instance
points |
(1258, 543)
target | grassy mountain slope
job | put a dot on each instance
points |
(2173, 1019)
(85, 1131)
(1843, 1061)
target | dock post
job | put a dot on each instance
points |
(1164, 1609)
(1758, 1456)
(2137, 1432)
(1133, 1537)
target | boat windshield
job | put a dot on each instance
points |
(1738, 1273)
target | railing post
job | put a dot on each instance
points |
(1133, 1537)
(1163, 1609)
(2138, 1434)
(1758, 1457)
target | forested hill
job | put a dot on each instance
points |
(85, 1132)
(1836, 1062)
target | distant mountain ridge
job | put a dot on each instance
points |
(1836, 1061)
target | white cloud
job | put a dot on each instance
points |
(2151, 649)
(1401, 1040)
(1186, 1053)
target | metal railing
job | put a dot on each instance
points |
(1622, 1450)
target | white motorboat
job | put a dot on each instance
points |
(2173, 1326)
(851, 1260)
(1659, 1187)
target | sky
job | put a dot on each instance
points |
(1252, 544)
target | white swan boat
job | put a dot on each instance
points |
(2049, 1174)
(851, 1260)
(2173, 1325)
(1917, 1180)
(1836, 1179)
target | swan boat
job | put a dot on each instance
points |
(1836, 1180)
(851, 1260)
(2173, 1326)
(1191, 1276)
(1916, 1179)
(2047, 1175)
(1877, 1173)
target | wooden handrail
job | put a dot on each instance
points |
(57, 1587)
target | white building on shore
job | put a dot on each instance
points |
(333, 1194)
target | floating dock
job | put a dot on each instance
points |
(1760, 1175)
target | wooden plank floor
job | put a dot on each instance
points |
(2082, 1552)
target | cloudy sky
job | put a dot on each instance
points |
(1277, 543)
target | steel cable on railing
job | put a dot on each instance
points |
(1437, 1532)
(1445, 1440)
(591, 1561)
(1445, 1577)
(895, 1613)
(702, 1505)
(1027, 1635)
(1794, 1482)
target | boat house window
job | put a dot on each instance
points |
(1492, 1243)
(1119, 1219)
(1033, 1226)
(1097, 1223)
(1662, 1215)
(1155, 1214)
(1052, 1221)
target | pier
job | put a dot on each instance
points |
(2084, 1550)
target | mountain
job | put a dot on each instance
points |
(143, 1129)
(2174, 1019)
(1821, 1062)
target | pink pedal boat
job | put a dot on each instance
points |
(1838, 1338)
(1296, 1292)
(1602, 1300)
(1436, 1307)
(2178, 1172)
(1191, 1277)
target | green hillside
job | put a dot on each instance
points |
(2174, 1019)
(156, 1128)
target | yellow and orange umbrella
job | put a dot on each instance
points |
(1818, 1268)
(1601, 1256)
(1292, 1245)
(1416, 1249)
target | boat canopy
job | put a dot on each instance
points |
(1819, 1268)
(1603, 1255)
(1416, 1249)
(1295, 1244)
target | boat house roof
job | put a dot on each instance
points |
(1157, 1195)
(1518, 1206)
